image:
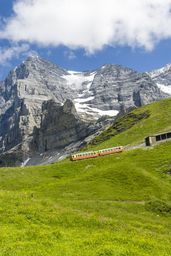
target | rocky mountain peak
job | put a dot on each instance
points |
(33, 58)
(162, 77)
(160, 72)
(35, 64)
(115, 70)
(69, 107)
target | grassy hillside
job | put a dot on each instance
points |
(135, 126)
(118, 205)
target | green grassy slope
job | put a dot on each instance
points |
(142, 122)
(116, 205)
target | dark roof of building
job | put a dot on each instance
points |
(154, 135)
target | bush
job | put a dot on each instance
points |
(159, 206)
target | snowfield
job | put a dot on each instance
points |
(165, 88)
(76, 79)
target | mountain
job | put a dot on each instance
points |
(34, 97)
(119, 88)
(162, 77)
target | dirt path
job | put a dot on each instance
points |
(129, 147)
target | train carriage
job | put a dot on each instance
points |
(93, 154)
(109, 151)
(84, 155)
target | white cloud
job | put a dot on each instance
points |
(6, 54)
(90, 24)
(70, 55)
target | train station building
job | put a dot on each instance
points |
(154, 139)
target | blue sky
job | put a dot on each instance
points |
(139, 47)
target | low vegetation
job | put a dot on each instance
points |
(136, 125)
(120, 125)
(118, 205)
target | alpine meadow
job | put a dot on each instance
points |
(113, 205)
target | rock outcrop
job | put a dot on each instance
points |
(117, 87)
(60, 126)
(162, 78)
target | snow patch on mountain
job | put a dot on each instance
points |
(165, 88)
(76, 79)
(23, 164)
(158, 72)
(82, 100)
(162, 78)
(81, 82)
(83, 107)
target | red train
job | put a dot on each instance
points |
(93, 154)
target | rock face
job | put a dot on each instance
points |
(60, 126)
(116, 88)
(44, 107)
(162, 77)
(22, 95)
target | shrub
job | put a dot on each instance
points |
(159, 206)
